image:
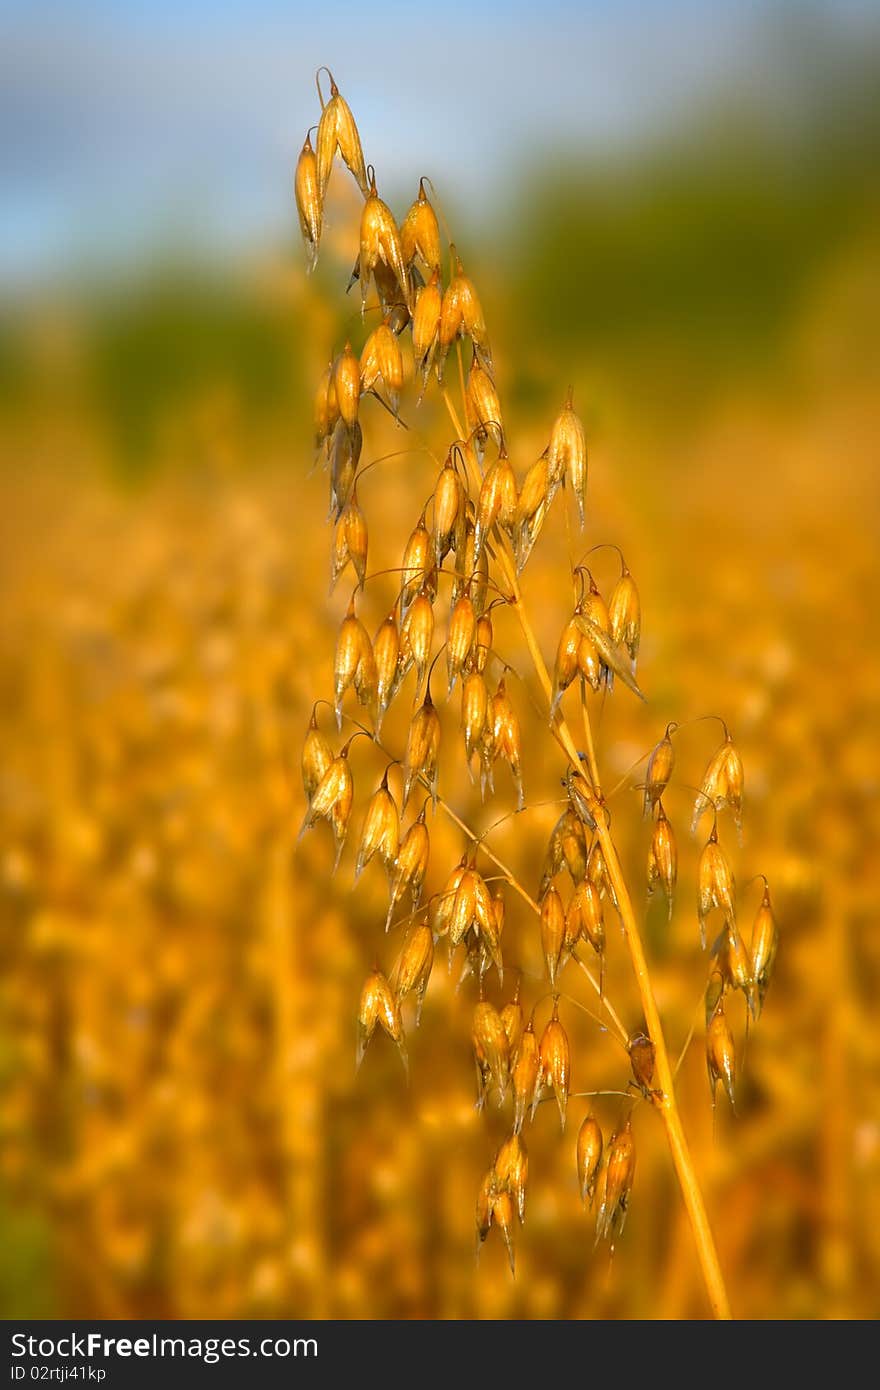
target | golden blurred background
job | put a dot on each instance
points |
(182, 1130)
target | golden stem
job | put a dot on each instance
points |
(588, 739)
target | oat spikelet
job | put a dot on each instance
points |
(619, 1173)
(337, 131)
(420, 234)
(414, 966)
(526, 1078)
(555, 1056)
(552, 932)
(308, 201)
(721, 1056)
(567, 455)
(589, 1157)
(491, 1051)
(715, 886)
(410, 866)
(663, 858)
(422, 749)
(350, 542)
(317, 755)
(625, 612)
(382, 361)
(380, 246)
(379, 1006)
(765, 941)
(512, 1171)
(332, 801)
(381, 830)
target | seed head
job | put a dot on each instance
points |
(347, 384)
(414, 966)
(449, 510)
(491, 1050)
(474, 708)
(422, 749)
(308, 201)
(566, 665)
(420, 234)
(471, 568)
(346, 442)
(504, 1218)
(350, 542)
(722, 785)
(382, 360)
(381, 830)
(483, 642)
(589, 1157)
(386, 652)
(591, 609)
(512, 1171)
(491, 931)
(610, 656)
(426, 326)
(411, 865)
(380, 246)
(586, 918)
(567, 455)
(567, 848)
(663, 857)
(442, 903)
(512, 1018)
(332, 801)
(721, 1055)
(556, 1061)
(736, 966)
(416, 637)
(461, 314)
(624, 610)
(526, 1078)
(317, 755)
(660, 765)
(485, 1201)
(337, 131)
(535, 499)
(483, 407)
(765, 941)
(378, 1005)
(497, 501)
(597, 871)
(416, 567)
(715, 886)
(460, 641)
(354, 663)
(619, 1173)
(507, 740)
(552, 932)
(471, 907)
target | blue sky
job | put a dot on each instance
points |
(120, 122)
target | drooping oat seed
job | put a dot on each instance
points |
(721, 1055)
(420, 233)
(308, 201)
(589, 1157)
(619, 1173)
